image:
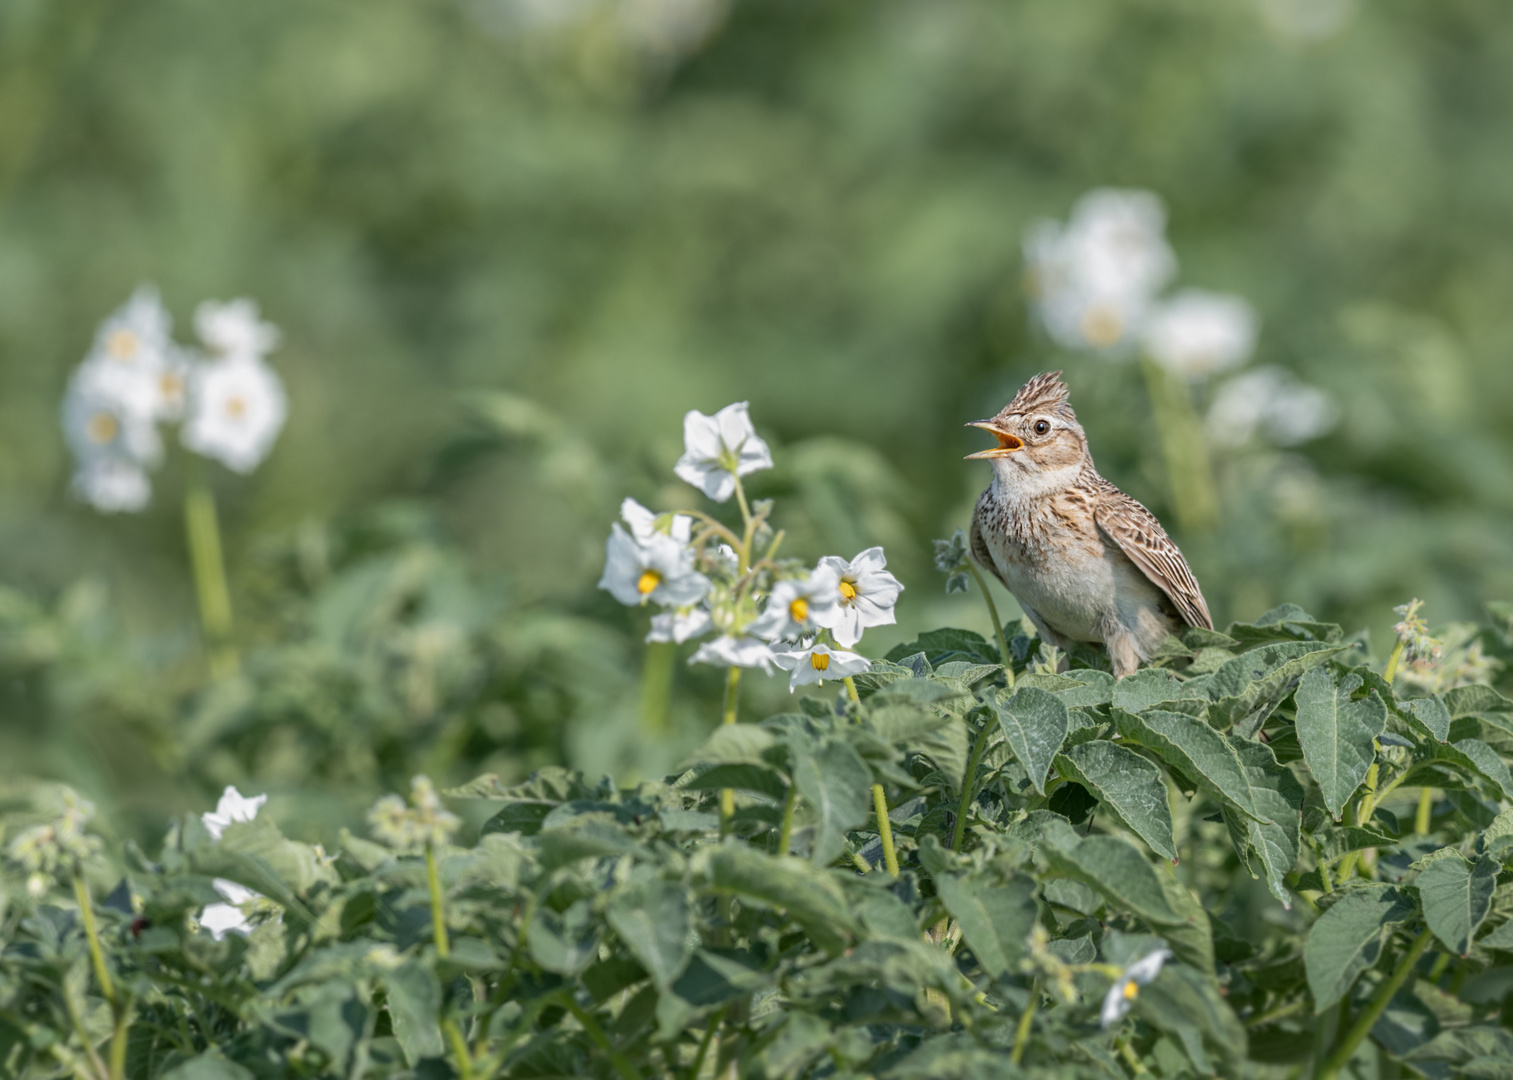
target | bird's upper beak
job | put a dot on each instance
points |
(1007, 443)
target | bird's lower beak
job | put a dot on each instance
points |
(1007, 443)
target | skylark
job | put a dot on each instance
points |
(1085, 561)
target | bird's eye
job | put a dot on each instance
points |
(1041, 427)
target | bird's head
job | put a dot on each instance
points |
(1039, 439)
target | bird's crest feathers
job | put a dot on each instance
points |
(1045, 393)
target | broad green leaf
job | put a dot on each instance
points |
(1129, 786)
(1272, 843)
(708, 982)
(414, 997)
(810, 896)
(942, 739)
(837, 788)
(758, 778)
(1456, 896)
(1334, 842)
(950, 1057)
(995, 919)
(1348, 938)
(1337, 734)
(1034, 722)
(964, 672)
(1431, 715)
(654, 920)
(1246, 689)
(1188, 1004)
(1498, 837)
(1212, 759)
(1477, 756)
(731, 744)
(1116, 869)
(564, 942)
(1500, 939)
(946, 645)
(1146, 687)
(553, 785)
(1476, 699)
(1285, 623)
(211, 1065)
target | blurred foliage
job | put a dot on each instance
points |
(508, 252)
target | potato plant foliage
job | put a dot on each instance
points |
(1051, 830)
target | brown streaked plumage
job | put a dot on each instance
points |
(1085, 561)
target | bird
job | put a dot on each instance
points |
(1086, 562)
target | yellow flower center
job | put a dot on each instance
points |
(122, 344)
(799, 609)
(848, 591)
(1101, 326)
(1131, 990)
(819, 661)
(102, 428)
(170, 385)
(236, 407)
(648, 581)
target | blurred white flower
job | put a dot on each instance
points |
(233, 807)
(658, 568)
(668, 28)
(230, 917)
(679, 625)
(820, 662)
(718, 448)
(1116, 1003)
(799, 606)
(100, 421)
(236, 410)
(1092, 279)
(644, 524)
(1306, 21)
(1196, 333)
(424, 823)
(1272, 401)
(233, 330)
(867, 595)
(135, 335)
(736, 650)
(112, 485)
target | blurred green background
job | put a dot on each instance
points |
(511, 242)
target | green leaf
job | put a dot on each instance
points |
(211, 1065)
(564, 942)
(942, 739)
(758, 778)
(995, 919)
(1212, 759)
(837, 787)
(1114, 867)
(1129, 786)
(1348, 939)
(654, 920)
(946, 645)
(1146, 687)
(732, 744)
(1337, 734)
(1332, 843)
(1431, 715)
(415, 1009)
(1246, 689)
(1500, 939)
(1272, 843)
(1034, 722)
(1477, 756)
(552, 785)
(1286, 623)
(810, 896)
(1456, 896)
(1474, 700)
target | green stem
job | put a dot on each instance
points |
(968, 783)
(656, 687)
(453, 1033)
(785, 831)
(1394, 660)
(1281, 1012)
(1345, 1048)
(1132, 1059)
(698, 1058)
(92, 933)
(1190, 474)
(1003, 645)
(884, 828)
(1425, 811)
(1026, 1019)
(204, 534)
(595, 1032)
(438, 918)
(118, 1041)
(732, 691)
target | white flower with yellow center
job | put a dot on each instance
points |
(1196, 333)
(820, 662)
(799, 606)
(135, 335)
(234, 330)
(736, 650)
(644, 524)
(866, 592)
(233, 807)
(1126, 988)
(230, 917)
(679, 625)
(658, 568)
(719, 448)
(112, 485)
(236, 410)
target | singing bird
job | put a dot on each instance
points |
(1085, 561)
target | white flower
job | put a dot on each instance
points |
(101, 421)
(867, 595)
(658, 568)
(234, 330)
(820, 662)
(1272, 400)
(135, 335)
(718, 448)
(112, 485)
(236, 410)
(1116, 1003)
(668, 27)
(228, 918)
(233, 807)
(736, 650)
(644, 524)
(1197, 333)
(679, 625)
(800, 606)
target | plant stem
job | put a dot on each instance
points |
(698, 1058)
(1425, 811)
(656, 687)
(968, 783)
(1190, 474)
(204, 535)
(1345, 1047)
(1393, 661)
(879, 800)
(1003, 645)
(459, 1048)
(732, 689)
(1132, 1059)
(119, 1038)
(92, 933)
(1279, 1013)
(1026, 1019)
(438, 919)
(595, 1032)
(785, 831)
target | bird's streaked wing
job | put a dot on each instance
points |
(979, 546)
(1141, 537)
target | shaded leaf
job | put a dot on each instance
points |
(1456, 896)
(1034, 722)
(1348, 939)
(995, 919)
(1129, 786)
(1337, 734)
(809, 895)
(1431, 715)
(837, 787)
(414, 999)
(653, 919)
(1246, 689)
(1116, 869)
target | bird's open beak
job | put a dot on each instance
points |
(1007, 443)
